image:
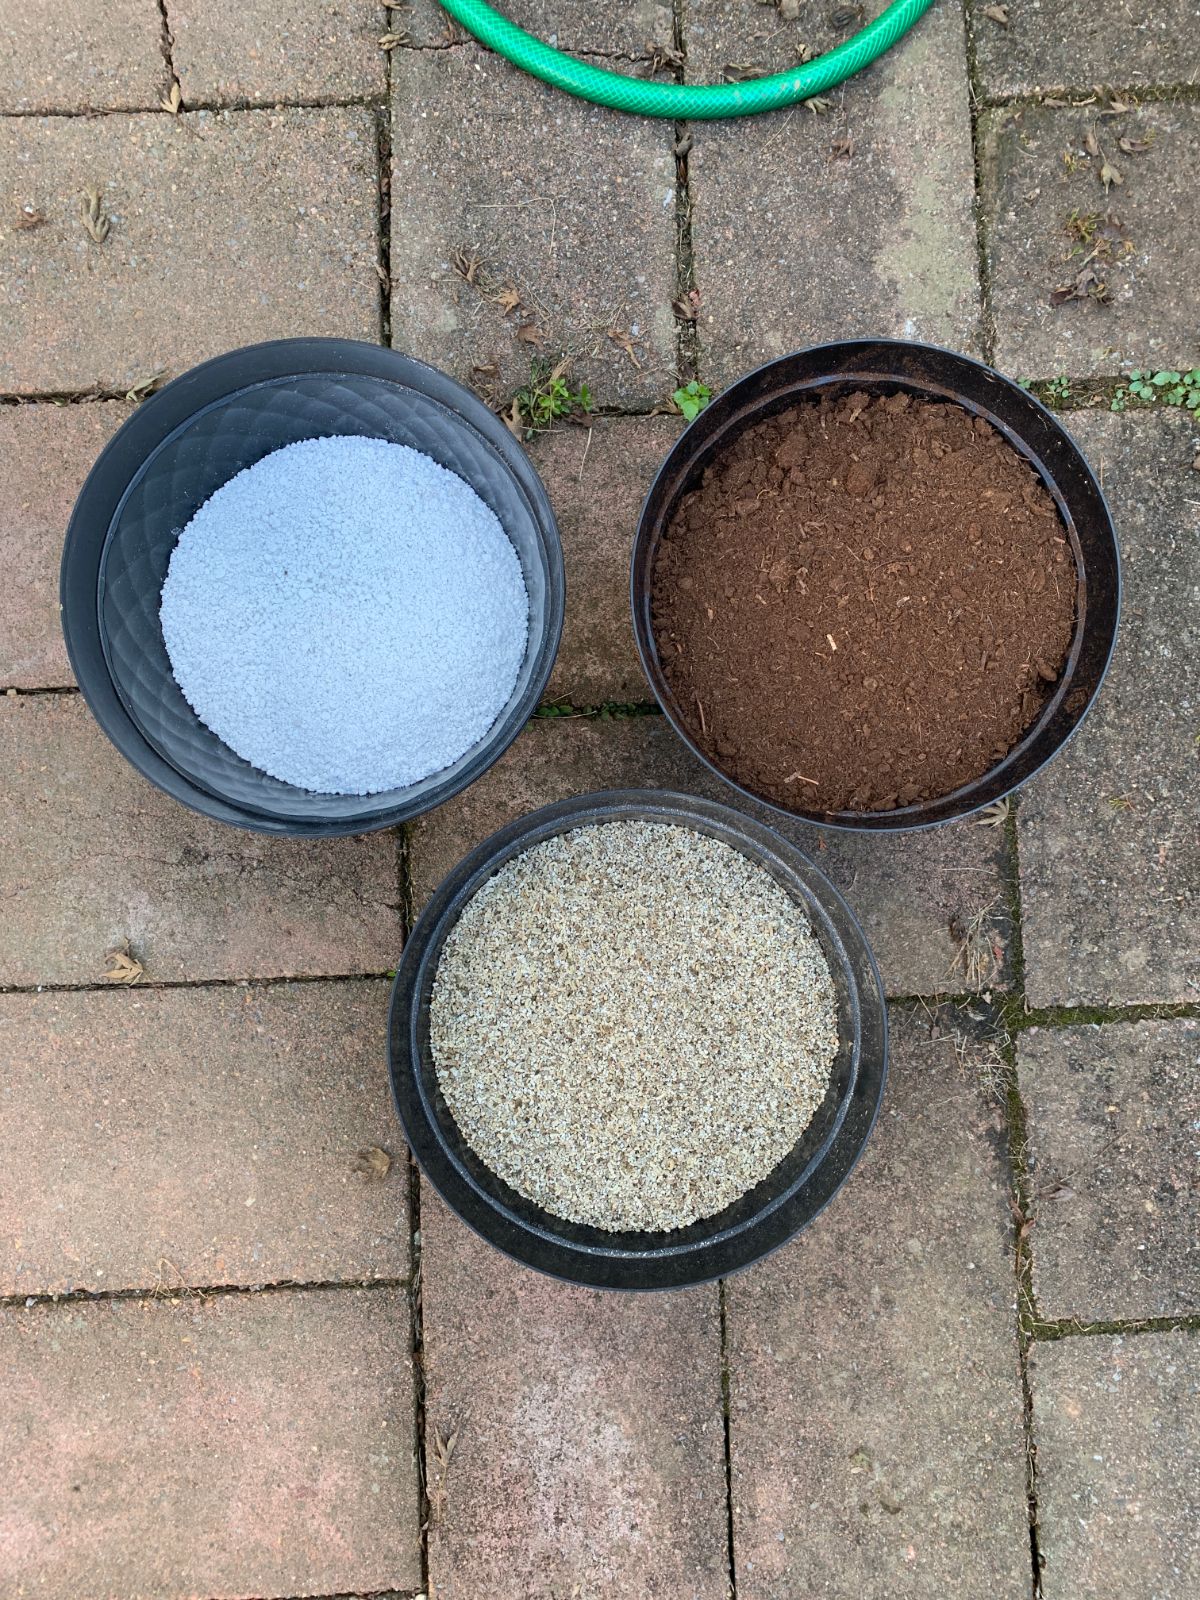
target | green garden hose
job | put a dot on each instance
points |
(680, 100)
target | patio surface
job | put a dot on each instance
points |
(240, 1360)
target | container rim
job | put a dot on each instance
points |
(160, 418)
(645, 1260)
(902, 819)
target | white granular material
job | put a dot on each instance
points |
(632, 1024)
(346, 614)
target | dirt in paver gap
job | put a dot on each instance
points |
(864, 603)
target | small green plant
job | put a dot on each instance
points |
(1168, 388)
(1059, 390)
(548, 396)
(691, 398)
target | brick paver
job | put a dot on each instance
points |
(94, 856)
(921, 898)
(45, 454)
(235, 51)
(1074, 44)
(154, 1139)
(224, 1446)
(1117, 1426)
(225, 229)
(567, 206)
(584, 1432)
(597, 478)
(629, 30)
(80, 58)
(795, 244)
(1048, 209)
(1113, 1115)
(875, 1403)
(1110, 860)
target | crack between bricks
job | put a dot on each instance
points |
(166, 43)
(987, 319)
(726, 1392)
(1081, 98)
(1050, 1330)
(687, 338)
(167, 984)
(199, 1291)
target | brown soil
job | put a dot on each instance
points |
(864, 604)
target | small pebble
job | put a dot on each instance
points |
(632, 1024)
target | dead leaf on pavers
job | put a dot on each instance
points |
(121, 966)
(1087, 285)
(469, 265)
(1110, 175)
(391, 41)
(624, 341)
(372, 1163)
(997, 14)
(684, 309)
(512, 421)
(1091, 143)
(742, 71)
(842, 17)
(843, 146)
(530, 333)
(993, 816)
(144, 386)
(508, 299)
(173, 102)
(30, 217)
(662, 56)
(818, 104)
(1135, 147)
(95, 220)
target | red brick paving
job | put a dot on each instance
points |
(153, 1139)
(224, 1446)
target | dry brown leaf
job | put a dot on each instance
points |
(508, 299)
(29, 217)
(1135, 147)
(624, 341)
(389, 41)
(144, 386)
(372, 1163)
(1110, 175)
(530, 333)
(1056, 101)
(173, 101)
(94, 219)
(684, 309)
(121, 967)
(512, 420)
(998, 14)
(843, 146)
(1090, 142)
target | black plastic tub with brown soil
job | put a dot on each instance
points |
(864, 603)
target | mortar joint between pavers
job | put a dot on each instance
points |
(166, 43)
(606, 711)
(155, 984)
(1081, 98)
(687, 338)
(727, 1422)
(983, 268)
(1049, 1330)
(198, 1291)
(417, 1352)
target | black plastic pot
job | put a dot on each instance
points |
(181, 445)
(762, 1219)
(885, 366)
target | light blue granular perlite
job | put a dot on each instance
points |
(347, 615)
